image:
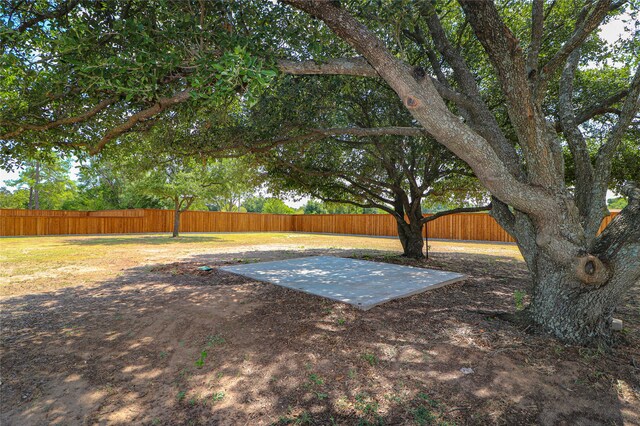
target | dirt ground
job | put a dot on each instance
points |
(163, 342)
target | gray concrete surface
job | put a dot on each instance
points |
(360, 283)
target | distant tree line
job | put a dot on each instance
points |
(47, 183)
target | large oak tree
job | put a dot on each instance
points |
(579, 276)
(392, 173)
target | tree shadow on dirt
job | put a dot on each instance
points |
(174, 344)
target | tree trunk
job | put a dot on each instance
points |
(176, 220)
(36, 190)
(572, 310)
(410, 235)
(575, 293)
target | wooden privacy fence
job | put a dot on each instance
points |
(469, 226)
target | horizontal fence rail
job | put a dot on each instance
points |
(465, 226)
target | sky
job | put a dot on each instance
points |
(611, 32)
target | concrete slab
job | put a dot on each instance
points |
(360, 283)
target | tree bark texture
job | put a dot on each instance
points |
(411, 238)
(176, 219)
(36, 190)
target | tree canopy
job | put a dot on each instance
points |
(89, 72)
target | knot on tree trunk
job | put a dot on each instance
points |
(590, 270)
(411, 102)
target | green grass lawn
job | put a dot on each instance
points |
(33, 264)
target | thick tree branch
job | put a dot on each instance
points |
(537, 27)
(62, 10)
(598, 108)
(506, 56)
(23, 127)
(427, 106)
(481, 119)
(519, 226)
(604, 158)
(586, 26)
(630, 109)
(359, 67)
(160, 105)
(339, 66)
(418, 37)
(623, 229)
(462, 74)
(575, 139)
(602, 107)
(455, 211)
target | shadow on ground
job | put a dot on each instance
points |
(173, 344)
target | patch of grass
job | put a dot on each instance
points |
(303, 418)
(217, 396)
(425, 397)
(591, 354)
(368, 408)
(184, 374)
(215, 340)
(181, 395)
(396, 399)
(427, 411)
(341, 321)
(518, 297)
(423, 416)
(371, 359)
(200, 361)
(316, 380)
(163, 354)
